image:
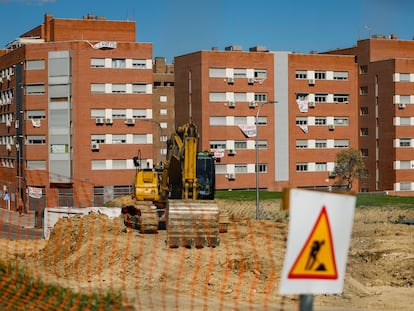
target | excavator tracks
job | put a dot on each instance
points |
(192, 224)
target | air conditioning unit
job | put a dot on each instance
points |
(232, 104)
(231, 176)
(130, 121)
(232, 152)
(100, 120)
(8, 147)
(252, 104)
(311, 104)
(94, 146)
(250, 80)
(401, 106)
(108, 121)
(230, 80)
(331, 127)
(332, 174)
(311, 81)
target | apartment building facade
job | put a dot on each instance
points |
(386, 97)
(309, 113)
(221, 92)
(163, 107)
(75, 95)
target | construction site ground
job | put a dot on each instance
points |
(95, 253)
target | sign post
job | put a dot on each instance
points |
(320, 228)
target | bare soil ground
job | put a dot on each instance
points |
(96, 253)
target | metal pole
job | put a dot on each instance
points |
(257, 154)
(306, 302)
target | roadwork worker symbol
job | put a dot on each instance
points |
(317, 257)
(312, 258)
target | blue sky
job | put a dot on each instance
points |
(177, 27)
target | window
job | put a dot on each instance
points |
(363, 90)
(36, 64)
(320, 75)
(118, 113)
(99, 139)
(98, 164)
(240, 97)
(301, 167)
(341, 143)
(363, 69)
(240, 145)
(163, 125)
(217, 121)
(59, 148)
(320, 143)
(340, 75)
(217, 72)
(301, 74)
(341, 121)
(301, 144)
(139, 113)
(405, 186)
(139, 139)
(240, 120)
(341, 98)
(118, 88)
(320, 166)
(405, 121)
(262, 121)
(240, 168)
(239, 73)
(217, 144)
(97, 113)
(98, 88)
(405, 165)
(118, 139)
(364, 152)
(139, 63)
(320, 98)
(36, 140)
(301, 120)
(163, 112)
(118, 63)
(259, 97)
(98, 62)
(260, 73)
(301, 96)
(119, 164)
(35, 114)
(35, 89)
(363, 111)
(262, 144)
(217, 97)
(363, 131)
(139, 88)
(320, 120)
(36, 164)
(163, 99)
(405, 142)
(404, 77)
(405, 99)
(262, 168)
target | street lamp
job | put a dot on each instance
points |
(257, 153)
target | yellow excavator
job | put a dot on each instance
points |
(180, 196)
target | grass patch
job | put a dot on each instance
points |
(20, 291)
(363, 200)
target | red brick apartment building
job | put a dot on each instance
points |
(315, 115)
(386, 112)
(75, 95)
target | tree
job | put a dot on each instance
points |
(349, 165)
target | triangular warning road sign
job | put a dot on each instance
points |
(317, 257)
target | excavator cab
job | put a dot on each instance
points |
(206, 176)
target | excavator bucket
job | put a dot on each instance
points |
(192, 224)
